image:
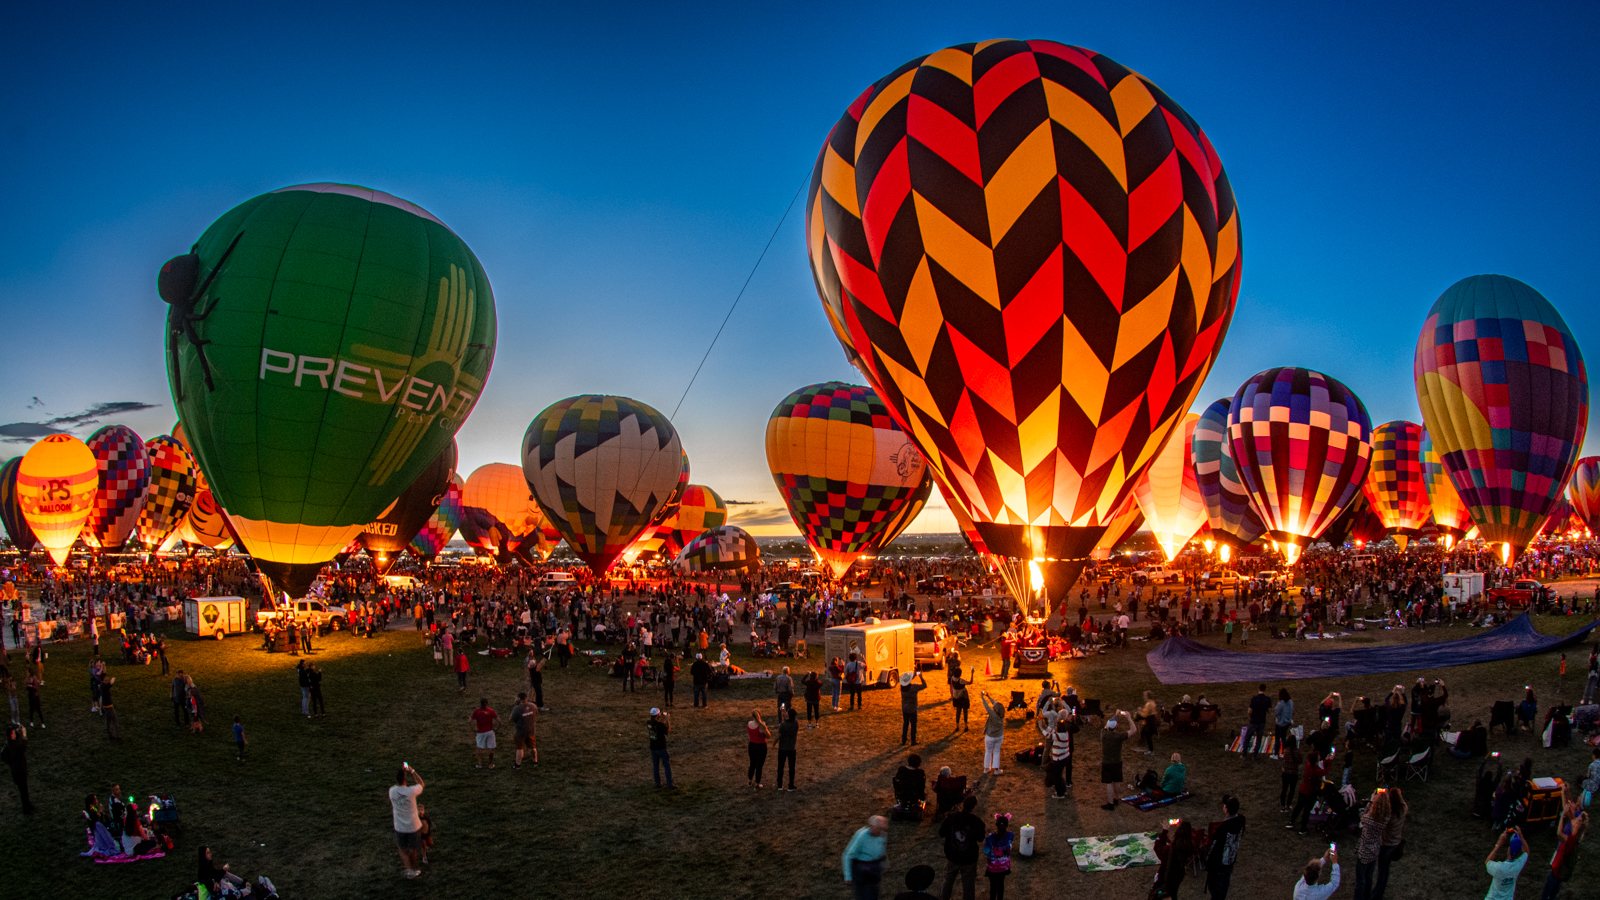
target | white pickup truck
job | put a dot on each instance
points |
(302, 612)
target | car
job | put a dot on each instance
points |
(557, 580)
(1220, 579)
(930, 642)
(1159, 575)
(309, 610)
(1518, 593)
(1273, 576)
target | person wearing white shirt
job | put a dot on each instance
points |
(1308, 889)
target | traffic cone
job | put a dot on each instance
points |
(988, 667)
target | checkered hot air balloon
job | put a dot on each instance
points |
(442, 525)
(22, 537)
(1450, 515)
(123, 475)
(1505, 396)
(653, 540)
(1584, 492)
(1358, 524)
(601, 468)
(1233, 520)
(699, 508)
(902, 520)
(720, 549)
(1032, 254)
(55, 488)
(1124, 523)
(844, 468)
(173, 486)
(1396, 485)
(1560, 520)
(1302, 443)
(1169, 493)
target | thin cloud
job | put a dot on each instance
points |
(100, 410)
(744, 503)
(762, 514)
(27, 432)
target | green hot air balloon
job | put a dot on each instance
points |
(324, 344)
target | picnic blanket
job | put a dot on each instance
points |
(1148, 800)
(1118, 851)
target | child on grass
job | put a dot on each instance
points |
(426, 831)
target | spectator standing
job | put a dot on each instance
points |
(1149, 721)
(669, 677)
(700, 674)
(15, 756)
(304, 676)
(1059, 753)
(836, 677)
(1253, 733)
(238, 737)
(1503, 872)
(34, 684)
(865, 857)
(197, 707)
(812, 685)
(960, 700)
(1310, 782)
(1290, 768)
(1224, 850)
(1574, 822)
(318, 708)
(536, 677)
(1373, 821)
(658, 727)
(525, 729)
(109, 709)
(784, 685)
(1111, 741)
(997, 855)
(854, 674)
(407, 825)
(1394, 835)
(1308, 888)
(757, 733)
(462, 668)
(483, 720)
(788, 733)
(1282, 718)
(994, 733)
(908, 703)
(1175, 848)
(962, 833)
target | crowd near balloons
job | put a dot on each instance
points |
(1031, 254)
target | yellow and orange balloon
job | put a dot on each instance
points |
(56, 484)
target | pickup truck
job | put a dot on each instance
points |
(1519, 593)
(314, 612)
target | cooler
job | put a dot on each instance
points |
(1544, 800)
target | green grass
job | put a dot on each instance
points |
(309, 806)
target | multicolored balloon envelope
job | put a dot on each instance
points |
(1032, 253)
(1358, 524)
(442, 525)
(699, 509)
(123, 475)
(1124, 523)
(1233, 520)
(324, 343)
(844, 468)
(1584, 492)
(55, 488)
(1505, 396)
(1169, 492)
(207, 523)
(719, 549)
(653, 539)
(1302, 443)
(1396, 486)
(22, 537)
(498, 512)
(173, 487)
(908, 514)
(1559, 522)
(1450, 515)
(393, 530)
(601, 468)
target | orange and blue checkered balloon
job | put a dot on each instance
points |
(1395, 485)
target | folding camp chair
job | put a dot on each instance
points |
(1419, 764)
(1389, 766)
(1504, 715)
(1207, 716)
(1019, 700)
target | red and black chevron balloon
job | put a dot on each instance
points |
(1032, 253)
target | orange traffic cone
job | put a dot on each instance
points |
(988, 667)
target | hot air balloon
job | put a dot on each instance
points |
(172, 489)
(1034, 253)
(55, 488)
(207, 523)
(442, 525)
(908, 514)
(1301, 441)
(1560, 520)
(1169, 493)
(1396, 486)
(843, 467)
(720, 549)
(1450, 515)
(699, 509)
(652, 540)
(1584, 492)
(392, 531)
(1233, 520)
(1125, 522)
(498, 512)
(1505, 396)
(601, 468)
(123, 475)
(1358, 524)
(17, 529)
(324, 343)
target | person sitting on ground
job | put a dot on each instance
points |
(1528, 709)
(1472, 742)
(1175, 777)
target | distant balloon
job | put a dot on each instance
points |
(123, 475)
(700, 509)
(1124, 523)
(390, 533)
(1560, 520)
(1450, 515)
(206, 523)
(17, 529)
(55, 488)
(1358, 524)
(498, 511)
(1505, 396)
(1032, 254)
(324, 343)
(1302, 443)
(719, 549)
(843, 467)
(1169, 494)
(601, 468)
(653, 539)
(442, 525)
(1396, 485)
(173, 487)
(1233, 519)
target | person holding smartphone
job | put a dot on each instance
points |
(1308, 888)
(1503, 872)
(407, 825)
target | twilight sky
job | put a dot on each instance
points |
(618, 168)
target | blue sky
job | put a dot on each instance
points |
(617, 169)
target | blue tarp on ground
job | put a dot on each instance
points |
(1180, 660)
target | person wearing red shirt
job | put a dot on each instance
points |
(1310, 785)
(483, 719)
(462, 667)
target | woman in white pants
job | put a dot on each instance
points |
(994, 732)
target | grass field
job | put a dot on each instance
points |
(309, 809)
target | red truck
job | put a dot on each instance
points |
(1519, 593)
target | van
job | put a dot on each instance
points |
(930, 642)
(557, 580)
(1220, 579)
